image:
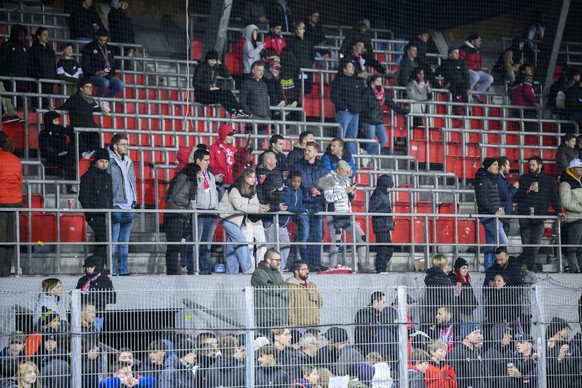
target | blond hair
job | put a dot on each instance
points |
(439, 261)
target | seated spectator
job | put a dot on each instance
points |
(372, 115)
(417, 368)
(348, 356)
(121, 27)
(254, 95)
(240, 197)
(280, 14)
(499, 354)
(123, 376)
(162, 365)
(566, 152)
(418, 89)
(96, 285)
(466, 359)
(53, 361)
(190, 373)
(382, 225)
(49, 299)
(501, 302)
(456, 78)
(421, 43)
(14, 59)
(28, 375)
(205, 81)
(69, 69)
(229, 369)
(506, 265)
(470, 52)
(438, 371)
(254, 13)
(524, 370)
(81, 107)
(15, 348)
(274, 39)
(41, 64)
(507, 66)
(270, 372)
(361, 33)
(439, 288)
(557, 94)
(579, 146)
(10, 115)
(84, 21)
(336, 152)
(55, 146)
(252, 47)
(445, 328)
(407, 64)
(99, 67)
(465, 300)
(521, 93)
(315, 33)
(309, 377)
(574, 102)
(125, 356)
(8, 371)
(561, 354)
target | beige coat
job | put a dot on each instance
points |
(303, 309)
(234, 201)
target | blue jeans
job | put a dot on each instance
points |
(349, 128)
(237, 255)
(120, 231)
(102, 83)
(480, 77)
(310, 230)
(491, 228)
(206, 228)
(371, 131)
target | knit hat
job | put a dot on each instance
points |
(101, 154)
(212, 54)
(17, 337)
(467, 328)
(452, 48)
(91, 261)
(84, 81)
(576, 163)
(488, 162)
(460, 262)
(50, 116)
(337, 334)
(365, 372)
(555, 326)
(48, 317)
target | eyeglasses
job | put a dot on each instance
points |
(275, 259)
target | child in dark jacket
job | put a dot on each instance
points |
(293, 199)
(382, 225)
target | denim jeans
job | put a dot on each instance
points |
(371, 131)
(284, 247)
(480, 77)
(311, 230)
(120, 230)
(206, 228)
(102, 83)
(237, 255)
(349, 128)
(491, 228)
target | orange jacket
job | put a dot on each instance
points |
(10, 179)
(440, 376)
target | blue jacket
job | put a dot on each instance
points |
(506, 193)
(115, 382)
(330, 161)
(122, 173)
(310, 173)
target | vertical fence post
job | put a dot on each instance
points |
(249, 336)
(403, 335)
(540, 338)
(76, 339)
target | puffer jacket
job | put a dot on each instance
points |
(571, 196)
(334, 190)
(472, 56)
(487, 196)
(11, 178)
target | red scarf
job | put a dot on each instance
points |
(463, 279)
(379, 95)
(87, 285)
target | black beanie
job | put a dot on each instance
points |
(460, 262)
(101, 153)
(555, 326)
(212, 54)
(488, 162)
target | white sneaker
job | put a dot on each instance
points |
(87, 154)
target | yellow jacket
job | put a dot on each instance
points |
(303, 308)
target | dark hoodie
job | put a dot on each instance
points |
(53, 140)
(13, 57)
(205, 75)
(380, 203)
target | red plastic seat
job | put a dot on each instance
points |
(73, 228)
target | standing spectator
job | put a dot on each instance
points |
(10, 196)
(421, 43)
(361, 32)
(536, 190)
(204, 82)
(367, 321)
(55, 145)
(309, 377)
(41, 64)
(121, 28)
(439, 288)
(271, 293)
(280, 15)
(418, 89)
(254, 95)
(289, 82)
(252, 47)
(438, 372)
(334, 153)
(69, 69)
(124, 198)
(50, 299)
(470, 52)
(305, 301)
(359, 60)
(293, 199)
(270, 373)
(506, 266)
(566, 152)
(465, 300)
(298, 150)
(348, 356)
(240, 197)
(574, 102)
(162, 364)
(382, 225)
(222, 158)
(489, 206)
(277, 147)
(180, 195)
(53, 361)
(456, 77)
(506, 191)
(190, 373)
(556, 100)
(304, 51)
(509, 62)
(276, 232)
(579, 146)
(81, 106)
(206, 201)
(84, 21)
(15, 348)
(571, 197)
(347, 95)
(228, 370)
(311, 228)
(372, 116)
(274, 39)
(96, 192)
(407, 64)
(466, 358)
(90, 351)
(99, 67)
(254, 13)
(445, 328)
(96, 286)
(14, 59)
(417, 368)
(522, 94)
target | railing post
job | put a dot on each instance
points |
(403, 336)
(76, 378)
(541, 337)
(249, 337)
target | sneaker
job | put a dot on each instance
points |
(11, 119)
(292, 105)
(73, 189)
(281, 104)
(239, 115)
(249, 271)
(87, 154)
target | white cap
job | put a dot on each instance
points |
(576, 163)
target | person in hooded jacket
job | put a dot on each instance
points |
(14, 59)
(50, 299)
(382, 225)
(439, 288)
(182, 192)
(96, 192)
(42, 63)
(571, 198)
(207, 91)
(252, 47)
(222, 155)
(162, 364)
(372, 116)
(53, 361)
(55, 145)
(465, 300)
(96, 285)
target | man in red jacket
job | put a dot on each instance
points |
(222, 158)
(471, 54)
(274, 39)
